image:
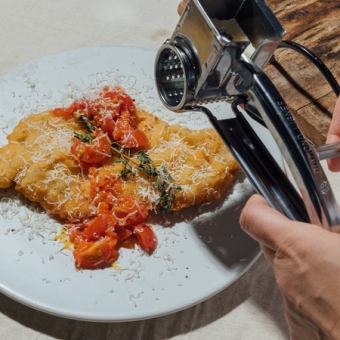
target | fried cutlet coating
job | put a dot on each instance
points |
(38, 161)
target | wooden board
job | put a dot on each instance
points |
(316, 25)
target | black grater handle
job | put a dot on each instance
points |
(300, 156)
(258, 164)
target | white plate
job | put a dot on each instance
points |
(196, 258)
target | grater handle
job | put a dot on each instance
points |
(260, 167)
(328, 151)
(301, 158)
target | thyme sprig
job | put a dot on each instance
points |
(85, 138)
(166, 188)
(87, 123)
(161, 178)
(146, 166)
(127, 168)
(165, 200)
(123, 153)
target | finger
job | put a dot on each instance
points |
(334, 136)
(268, 253)
(264, 224)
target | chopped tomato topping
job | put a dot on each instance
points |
(95, 153)
(119, 97)
(125, 132)
(116, 218)
(146, 238)
(108, 125)
(123, 234)
(124, 125)
(114, 113)
(67, 112)
(136, 139)
(98, 226)
(103, 208)
(103, 182)
(104, 189)
(99, 254)
(129, 243)
(119, 219)
(129, 213)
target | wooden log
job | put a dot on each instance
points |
(316, 25)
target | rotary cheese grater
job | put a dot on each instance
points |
(217, 53)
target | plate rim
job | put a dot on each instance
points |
(19, 298)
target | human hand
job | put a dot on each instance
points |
(305, 260)
(306, 263)
(334, 136)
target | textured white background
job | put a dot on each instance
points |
(250, 308)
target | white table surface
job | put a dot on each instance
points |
(251, 307)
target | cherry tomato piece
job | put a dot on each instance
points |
(95, 153)
(123, 234)
(97, 227)
(136, 139)
(146, 238)
(129, 212)
(107, 125)
(122, 128)
(67, 112)
(99, 254)
(125, 102)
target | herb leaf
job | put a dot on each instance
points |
(87, 138)
(163, 171)
(143, 157)
(161, 185)
(117, 146)
(127, 168)
(145, 164)
(165, 201)
(87, 123)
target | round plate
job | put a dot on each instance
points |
(201, 250)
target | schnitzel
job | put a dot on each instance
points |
(103, 165)
(38, 161)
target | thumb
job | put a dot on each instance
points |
(267, 225)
